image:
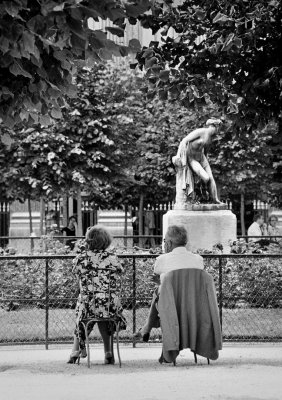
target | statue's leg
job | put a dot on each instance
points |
(212, 185)
(199, 170)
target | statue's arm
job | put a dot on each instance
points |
(193, 135)
(189, 138)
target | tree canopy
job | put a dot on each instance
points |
(40, 45)
(225, 52)
(80, 151)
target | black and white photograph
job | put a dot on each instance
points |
(141, 199)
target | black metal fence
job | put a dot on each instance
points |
(38, 296)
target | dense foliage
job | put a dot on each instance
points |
(41, 43)
(81, 150)
(224, 52)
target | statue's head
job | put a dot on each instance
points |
(214, 122)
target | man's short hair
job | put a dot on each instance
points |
(257, 216)
(178, 235)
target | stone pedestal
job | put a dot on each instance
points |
(205, 227)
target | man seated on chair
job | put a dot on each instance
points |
(176, 257)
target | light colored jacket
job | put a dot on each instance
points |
(189, 314)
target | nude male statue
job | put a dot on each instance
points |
(190, 158)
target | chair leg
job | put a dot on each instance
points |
(117, 334)
(208, 361)
(195, 357)
(112, 342)
(87, 344)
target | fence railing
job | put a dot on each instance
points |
(38, 295)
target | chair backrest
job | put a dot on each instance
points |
(104, 300)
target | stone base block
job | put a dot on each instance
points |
(205, 228)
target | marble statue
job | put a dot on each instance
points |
(194, 179)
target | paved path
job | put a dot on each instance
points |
(245, 372)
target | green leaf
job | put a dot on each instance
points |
(164, 75)
(221, 18)
(76, 27)
(123, 51)
(134, 45)
(45, 120)
(149, 62)
(90, 12)
(200, 14)
(78, 42)
(115, 30)
(105, 54)
(60, 7)
(17, 69)
(28, 42)
(139, 7)
(56, 113)
(162, 94)
(7, 92)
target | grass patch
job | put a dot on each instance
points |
(28, 325)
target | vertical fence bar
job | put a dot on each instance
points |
(220, 289)
(133, 298)
(46, 303)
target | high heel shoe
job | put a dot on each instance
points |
(145, 337)
(76, 356)
(109, 358)
(73, 360)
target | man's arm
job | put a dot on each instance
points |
(156, 279)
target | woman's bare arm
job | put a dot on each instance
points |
(193, 135)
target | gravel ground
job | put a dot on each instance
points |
(241, 372)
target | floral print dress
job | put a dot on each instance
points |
(98, 273)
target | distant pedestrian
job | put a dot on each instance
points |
(70, 230)
(272, 228)
(258, 228)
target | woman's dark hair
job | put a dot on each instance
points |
(72, 217)
(98, 238)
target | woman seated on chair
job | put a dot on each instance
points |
(94, 266)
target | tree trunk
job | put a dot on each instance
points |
(65, 210)
(125, 224)
(42, 215)
(79, 213)
(242, 214)
(140, 219)
(30, 224)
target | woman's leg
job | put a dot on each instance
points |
(75, 347)
(106, 336)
